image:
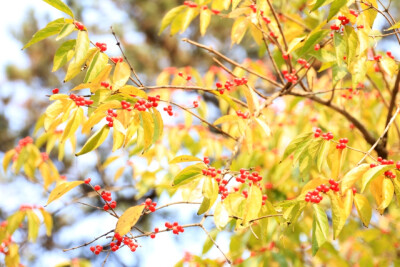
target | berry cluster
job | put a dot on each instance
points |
(243, 115)
(97, 249)
(327, 136)
(111, 114)
(175, 227)
(44, 156)
(168, 109)
(21, 144)
(253, 8)
(195, 104)
(354, 13)
(291, 77)
(377, 57)
(150, 205)
(55, 91)
(88, 180)
(206, 160)
(335, 27)
(344, 20)
(314, 195)
(142, 104)
(342, 143)
(390, 174)
(222, 189)
(126, 105)
(153, 235)
(188, 77)
(126, 240)
(4, 245)
(389, 54)
(24, 207)
(80, 100)
(106, 85)
(116, 59)
(190, 4)
(240, 81)
(244, 174)
(79, 25)
(350, 93)
(264, 18)
(102, 46)
(304, 63)
(211, 171)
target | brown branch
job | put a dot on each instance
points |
(210, 49)
(88, 243)
(215, 244)
(391, 107)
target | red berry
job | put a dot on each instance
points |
(97, 187)
(87, 181)
(55, 91)
(317, 47)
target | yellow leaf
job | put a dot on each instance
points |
(221, 216)
(253, 204)
(376, 187)
(336, 162)
(205, 18)
(387, 193)
(227, 118)
(338, 214)
(263, 126)
(119, 172)
(132, 90)
(128, 219)
(184, 158)
(73, 124)
(121, 75)
(7, 159)
(239, 29)
(348, 202)
(118, 135)
(148, 128)
(48, 221)
(95, 118)
(363, 208)
(33, 225)
(108, 161)
(353, 176)
(61, 189)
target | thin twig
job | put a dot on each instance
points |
(381, 137)
(88, 243)
(215, 244)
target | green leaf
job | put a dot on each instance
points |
(292, 213)
(373, 173)
(184, 158)
(210, 193)
(234, 204)
(253, 204)
(319, 4)
(312, 40)
(189, 173)
(97, 64)
(33, 225)
(128, 219)
(339, 72)
(66, 30)
(208, 244)
(60, 6)
(296, 143)
(170, 16)
(64, 54)
(352, 44)
(61, 189)
(340, 48)
(320, 228)
(95, 140)
(363, 208)
(351, 177)
(335, 8)
(205, 18)
(52, 28)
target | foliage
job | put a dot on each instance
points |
(254, 167)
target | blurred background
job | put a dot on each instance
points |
(26, 79)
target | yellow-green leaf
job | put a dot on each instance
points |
(363, 208)
(73, 124)
(335, 8)
(61, 189)
(373, 173)
(66, 30)
(14, 221)
(64, 54)
(353, 176)
(253, 204)
(184, 158)
(60, 6)
(132, 90)
(118, 135)
(170, 16)
(187, 17)
(320, 228)
(95, 140)
(119, 173)
(7, 159)
(221, 216)
(338, 216)
(128, 219)
(98, 63)
(52, 28)
(189, 173)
